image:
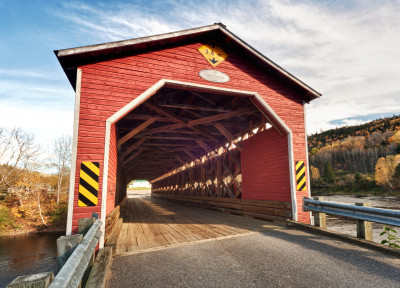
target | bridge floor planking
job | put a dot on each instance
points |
(150, 224)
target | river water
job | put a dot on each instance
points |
(27, 254)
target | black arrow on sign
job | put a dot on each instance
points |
(213, 60)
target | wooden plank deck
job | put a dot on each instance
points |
(150, 224)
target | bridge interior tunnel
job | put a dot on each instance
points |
(194, 142)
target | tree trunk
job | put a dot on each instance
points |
(19, 199)
(40, 209)
(59, 182)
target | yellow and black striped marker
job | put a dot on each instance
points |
(301, 176)
(88, 184)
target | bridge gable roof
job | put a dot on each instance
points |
(72, 58)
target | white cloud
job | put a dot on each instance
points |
(45, 123)
(351, 122)
(347, 50)
(23, 73)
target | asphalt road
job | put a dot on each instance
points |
(280, 257)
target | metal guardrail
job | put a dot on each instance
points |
(72, 272)
(377, 215)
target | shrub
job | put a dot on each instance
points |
(391, 239)
(6, 220)
(58, 217)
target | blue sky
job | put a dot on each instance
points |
(347, 50)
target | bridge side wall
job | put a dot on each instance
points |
(109, 85)
(265, 170)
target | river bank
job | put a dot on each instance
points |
(33, 214)
(32, 232)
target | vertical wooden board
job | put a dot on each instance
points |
(265, 167)
(112, 171)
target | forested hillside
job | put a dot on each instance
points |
(359, 157)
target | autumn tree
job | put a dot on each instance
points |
(396, 178)
(385, 169)
(28, 183)
(314, 171)
(18, 152)
(62, 147)
(395, 138)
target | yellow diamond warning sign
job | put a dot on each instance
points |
(213, 53)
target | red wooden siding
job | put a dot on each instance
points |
(112, 171)
(108, 86)
(265, 167)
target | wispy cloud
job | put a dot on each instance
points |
(347, 50)
(34, 93)
(8, 73)
(45, 123)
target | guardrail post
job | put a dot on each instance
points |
(319, 218)
(364, 228)
(65, 247)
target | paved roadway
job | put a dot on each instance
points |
(278, 257)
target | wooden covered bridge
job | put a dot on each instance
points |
(200, 114)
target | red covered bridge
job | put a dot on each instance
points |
(199, 113)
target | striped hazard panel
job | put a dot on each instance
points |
(301, 176)
(88, 184)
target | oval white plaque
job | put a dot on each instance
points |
(214, 76)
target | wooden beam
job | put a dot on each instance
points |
(219, 177)
(219, 117)
(169, 138)
(205, 134)
(191, 155)
(180, 160)
(135, 131)
(145, 117)
(234, 100)
(188, 102)
(173, 117)
(266, 116)
(195, 107)
(134, 146)
(227, 135)
(130, 158)
(199, 121)
(162, 111)
(204, 98)
(203, 145)
(232, 176)
(163, 129)
(168, 128)
(163, 144)
(193, 113)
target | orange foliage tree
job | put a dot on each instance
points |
(385, 169)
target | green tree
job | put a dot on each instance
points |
(329, 173)
(358, 180)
